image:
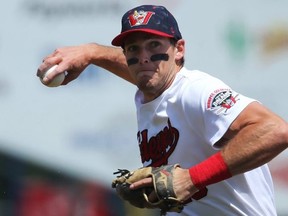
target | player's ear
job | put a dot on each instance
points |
(180, 49)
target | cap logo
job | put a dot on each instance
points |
(140, 18)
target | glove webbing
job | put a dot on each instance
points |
(163, 181)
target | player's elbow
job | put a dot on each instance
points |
(281, 133)
(285, 134)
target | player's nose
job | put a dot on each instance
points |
(144, 57)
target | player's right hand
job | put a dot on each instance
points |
(71, 60)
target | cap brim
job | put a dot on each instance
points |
(119, 39)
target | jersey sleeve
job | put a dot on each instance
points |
(220, 107)
(214, 106)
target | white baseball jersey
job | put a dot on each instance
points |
(182, 126)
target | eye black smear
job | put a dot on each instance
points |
(159, 57)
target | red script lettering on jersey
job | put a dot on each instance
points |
(157, 149)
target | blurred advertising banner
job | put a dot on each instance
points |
(45, 198)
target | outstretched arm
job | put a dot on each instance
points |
(258, 136)
(74, 60)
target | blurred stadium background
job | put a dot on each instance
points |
(60, 146)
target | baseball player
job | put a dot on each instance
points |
(221, 139)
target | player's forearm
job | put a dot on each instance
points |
(255, 145)
(74, 59)
(111, 59)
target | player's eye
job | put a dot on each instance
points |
(132, 48)
(154, 44)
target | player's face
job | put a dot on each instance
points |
(151, 62)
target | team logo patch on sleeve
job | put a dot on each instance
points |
(221, 100)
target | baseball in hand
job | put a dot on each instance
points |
(58, 79)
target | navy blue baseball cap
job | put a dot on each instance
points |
(151, 19)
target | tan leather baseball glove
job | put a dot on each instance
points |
(162, 187)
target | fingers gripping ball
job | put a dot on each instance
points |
(162, 187)
(58, 79)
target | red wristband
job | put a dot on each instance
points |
(210, 171)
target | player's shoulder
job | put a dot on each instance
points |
(198, 84)
(197, 77)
